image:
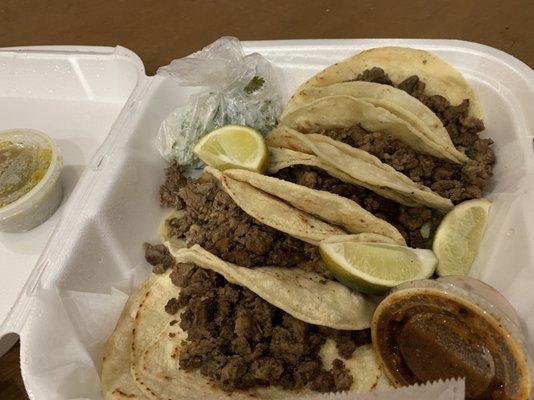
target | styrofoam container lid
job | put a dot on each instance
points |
(73, 94)
(94, 258)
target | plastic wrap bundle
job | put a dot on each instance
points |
(236, 89)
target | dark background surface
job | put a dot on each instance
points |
(161, 30)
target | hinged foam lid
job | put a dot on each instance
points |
(73, 94)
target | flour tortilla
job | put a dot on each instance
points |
(400, 63)
(358, 164)
(342, 111)
(327, 206)
(141, 356)
(394, 100)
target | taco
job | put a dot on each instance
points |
(205, 214)
(406, 107)
(358, 164)
(271, 211)
(205, 328)
(410, 69)
(342, 111)
(274, 223)
(282, 158)
(327, 206)
(403, 115)
(416, 223)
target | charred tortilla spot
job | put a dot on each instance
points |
(120, 392)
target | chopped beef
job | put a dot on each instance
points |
(240, 341)
(183, 274)
(172, 306)
(408, 220)
(213, 220)
(457, 182)
(159, 257)
(462, 128)
(342, 377)
(168, 191)
(376, 75)
(347, 341)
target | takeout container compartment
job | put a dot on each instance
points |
(74, 95)
(95, 256)
(36, 206)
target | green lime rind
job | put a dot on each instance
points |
(400, 262)
(459, 235)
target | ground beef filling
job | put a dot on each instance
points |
(212, 220)
(240, 341)
(158, 256)
(416, 224)
(457, 182)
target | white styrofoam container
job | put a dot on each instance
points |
(74, 94)
(113, 209)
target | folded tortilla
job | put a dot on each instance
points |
(275, 213)
(424, 124)
(359, 165)
(399, 63)
(304, 295)
(140, 358)
(281, 158)
(329, 207)
(342, 111)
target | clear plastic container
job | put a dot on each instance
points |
(477, 317)
(39, 203)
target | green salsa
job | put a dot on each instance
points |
(22, 166)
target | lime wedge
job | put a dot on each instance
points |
(458, 237)
(234, 146)
(374, 268)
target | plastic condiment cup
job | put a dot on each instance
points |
(468, 309)
(40, 202)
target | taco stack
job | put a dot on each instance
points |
(375, 148)
(395, 129)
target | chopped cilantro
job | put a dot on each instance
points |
(255, 84)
